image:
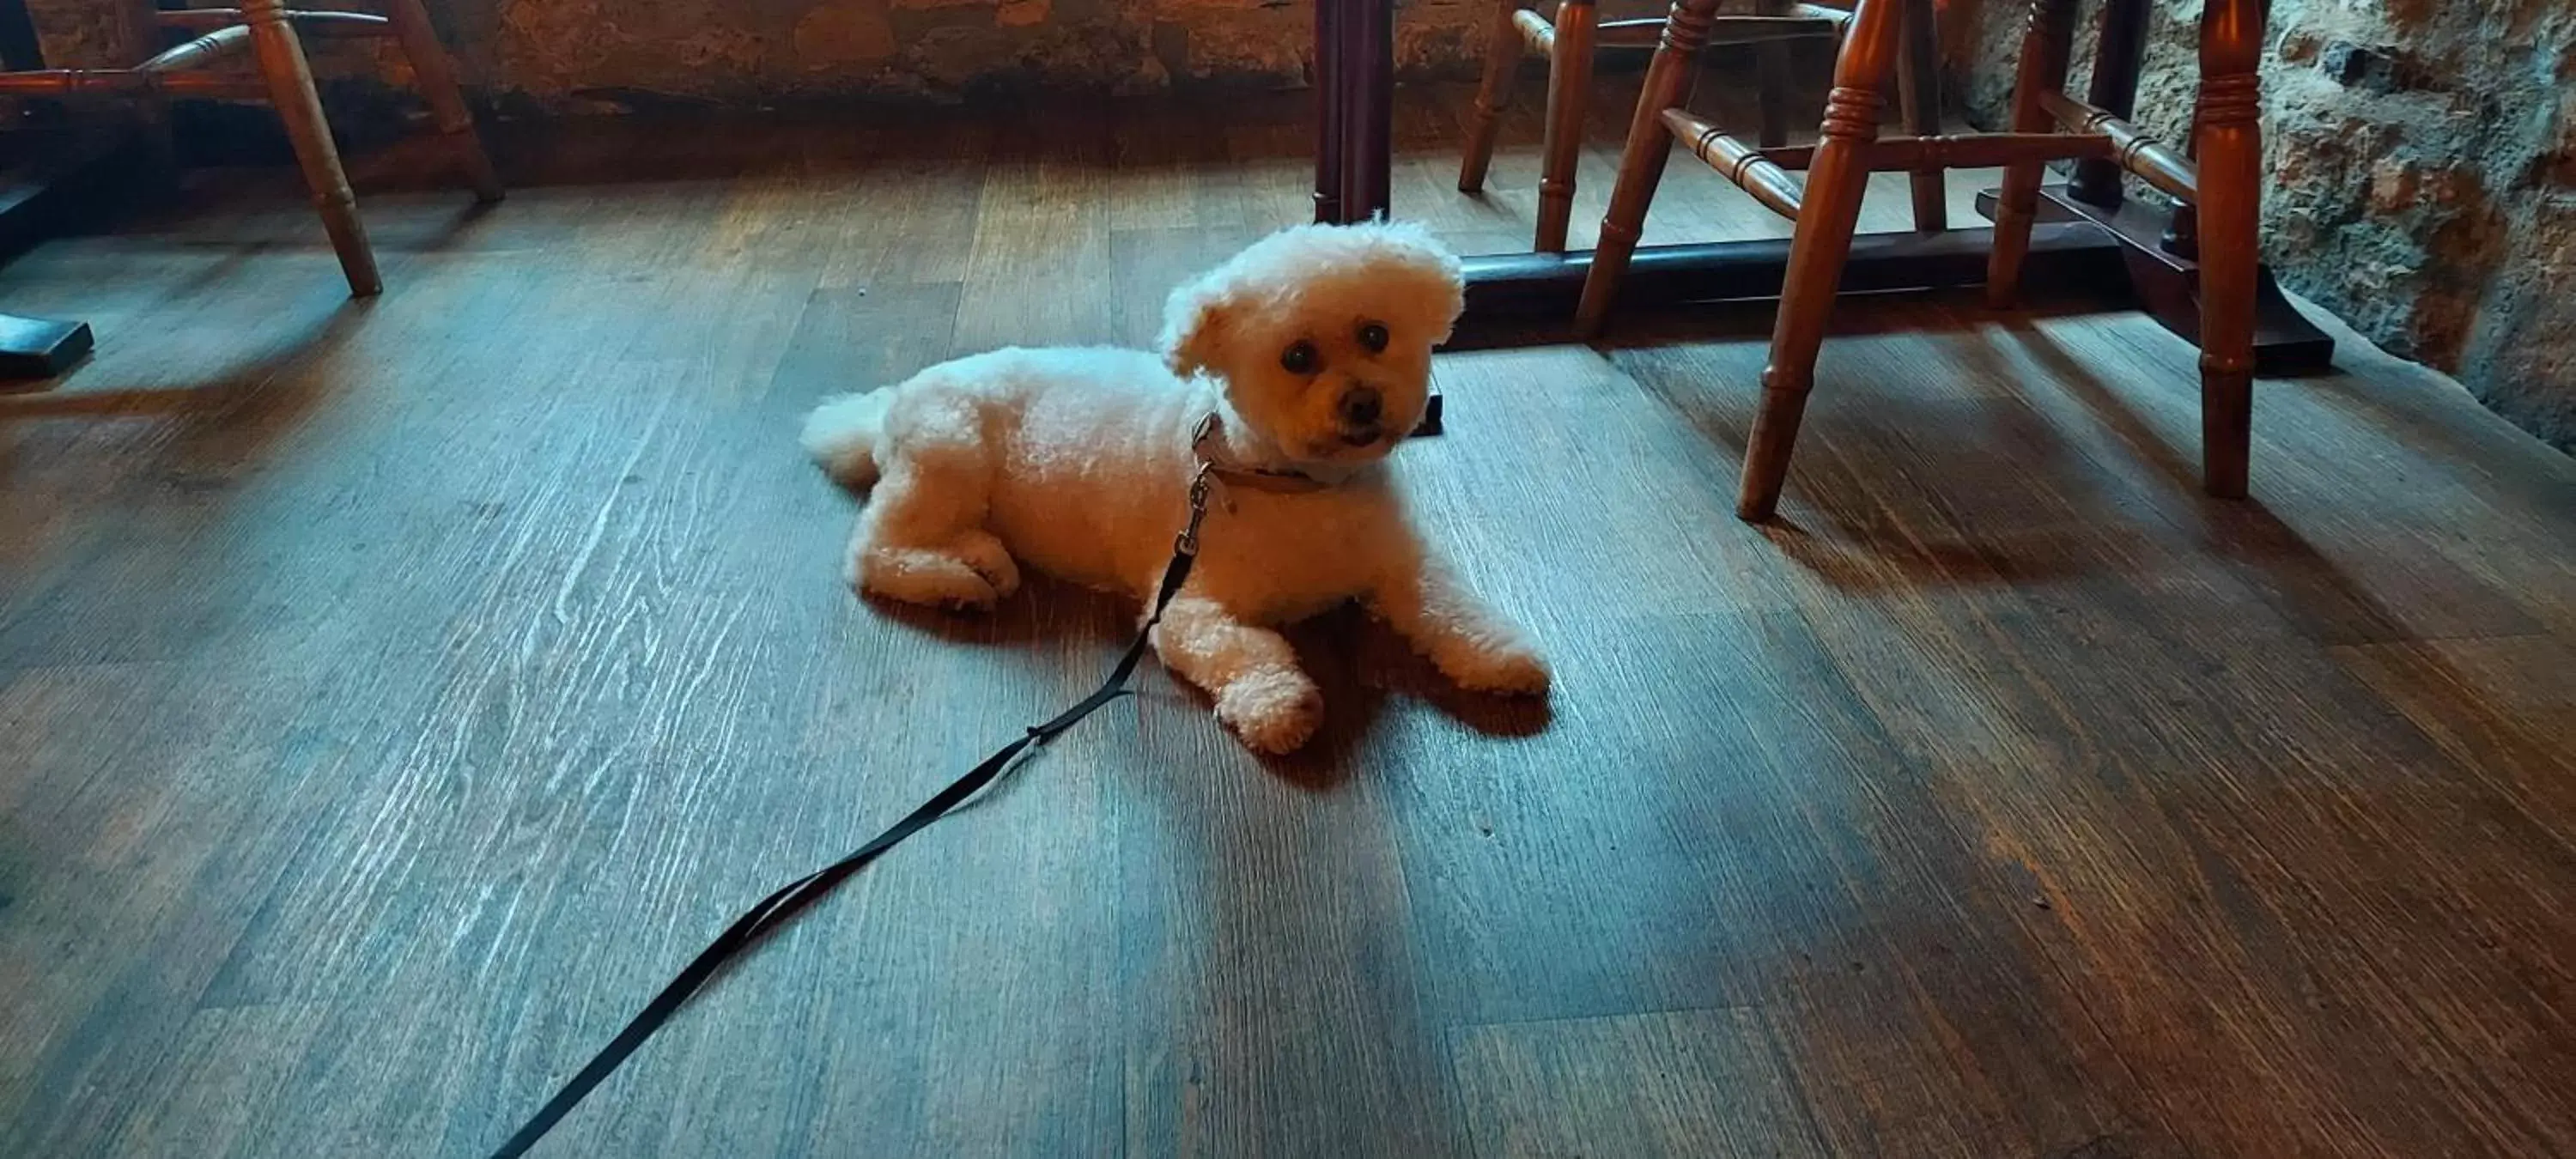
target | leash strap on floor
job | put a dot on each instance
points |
(782, 907)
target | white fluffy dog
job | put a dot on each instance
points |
(1312, 351)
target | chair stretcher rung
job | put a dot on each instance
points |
(2155, 162)
(1738, 162)
(1536, 33)
(1965, 151)
(201, 51)
(306, 23)
(1981, 150)
(1809, 24)
(1646, 32)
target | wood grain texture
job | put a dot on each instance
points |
(391, 696)
(1689, 1082)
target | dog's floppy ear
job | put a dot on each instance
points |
(1421, 252)
(1194, 325)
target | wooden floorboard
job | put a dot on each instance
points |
(1682, 1082)
(392, 694)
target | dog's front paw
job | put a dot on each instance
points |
(930, 578)
(1511, 669)
(984, 553)
(1274, 712)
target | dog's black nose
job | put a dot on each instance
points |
(1361, 406)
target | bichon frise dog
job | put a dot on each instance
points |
(1293, 369)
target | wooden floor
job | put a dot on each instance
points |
(393, 693)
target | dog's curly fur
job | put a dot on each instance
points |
(1313, 349)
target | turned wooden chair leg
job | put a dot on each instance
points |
(437, 76)
(1827, 216)
(290, 88)
(1918, 84)
(1493, 95)
(2045, 43)
(1569, 85)
(1641, 162)
(2231, 177)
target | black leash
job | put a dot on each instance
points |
(782, 907)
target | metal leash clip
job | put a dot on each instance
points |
(1188, 541)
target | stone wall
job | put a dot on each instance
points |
(590, 55)
(2424, 171)
(554, 50)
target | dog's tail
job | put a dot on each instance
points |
(842, 435)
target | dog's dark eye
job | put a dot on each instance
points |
(1299, 358)
(1373, 335)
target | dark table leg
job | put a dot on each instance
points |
(1368, 173)
(2123, 51)
(1355, 103)
(1329, 102)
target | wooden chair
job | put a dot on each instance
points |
(1569, 41)
(2223, 186)
(268, 29)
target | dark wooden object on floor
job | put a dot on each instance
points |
(1512, 299)
(384, 707)
(1568, 43)
(34, 192)
(2224, 185)
(266, 29)
(40, 347)
(2154, 249)
(46, 169)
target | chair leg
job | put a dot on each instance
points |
(290, 88)
(1641, 162)
(437, 75)
(1918, 84)
(1569, 86)
(2045, 42)
(2231, 183)
(1826, 218)
(1503, 53)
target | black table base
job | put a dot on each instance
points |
(62, 179)
(1531, 296)
(2167, 285)
(34, 348)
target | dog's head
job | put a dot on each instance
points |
(1321, 335)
